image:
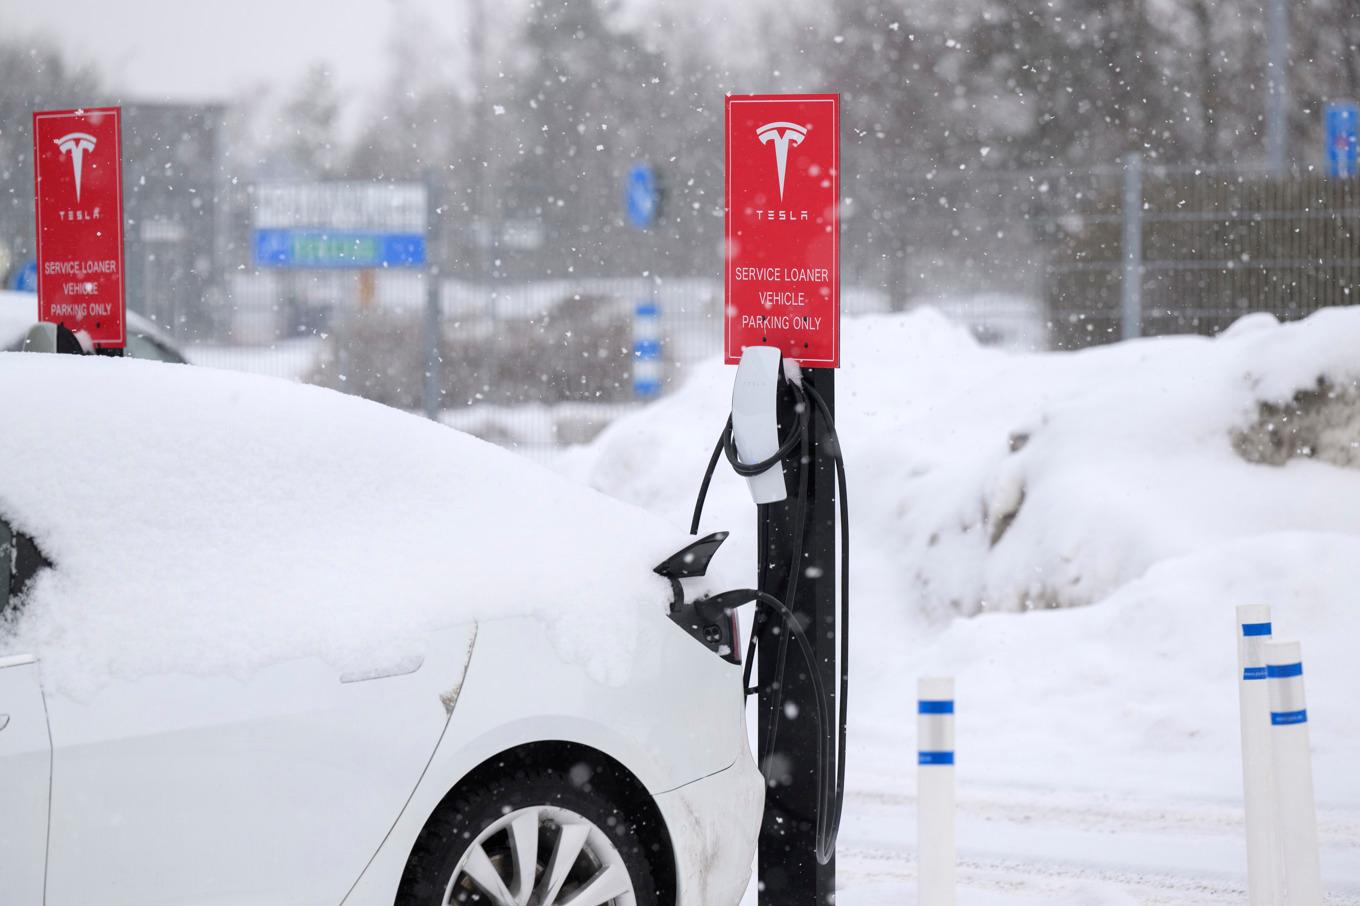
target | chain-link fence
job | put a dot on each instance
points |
(1029, 259)
(1137, 249)
(1210, 246)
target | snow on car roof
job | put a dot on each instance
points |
(203, 521)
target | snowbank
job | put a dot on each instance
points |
(1024, 487)
(201, 521)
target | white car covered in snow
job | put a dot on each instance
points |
(263, 643)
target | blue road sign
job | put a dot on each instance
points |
(337, 248)
(1343, 137)
(25, 278)
(642, 197)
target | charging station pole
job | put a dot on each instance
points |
(789, 874)
(782, 290)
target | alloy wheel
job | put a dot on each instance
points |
(541, 856)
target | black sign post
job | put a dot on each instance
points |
(782, 293)
(789, 872)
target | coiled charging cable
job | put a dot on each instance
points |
(833, 736)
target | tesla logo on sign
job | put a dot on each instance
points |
(782, 268)
(75, 146)
(79, 192)
(781, 134)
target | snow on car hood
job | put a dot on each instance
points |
(207, 522)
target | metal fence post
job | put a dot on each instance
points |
(430, 390)
(430, 394)
(1131, 307)
(1277, 86)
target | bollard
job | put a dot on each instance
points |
(646, 350)
(935, 790)
(1264, 881)
(1293, 774)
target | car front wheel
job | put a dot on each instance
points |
(534, 837)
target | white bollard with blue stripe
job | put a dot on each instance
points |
(1295, 809)
(935, 845)
(1264, 879)
(647, 349)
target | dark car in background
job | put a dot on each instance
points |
(19, 312)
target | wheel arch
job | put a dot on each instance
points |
(614, 779)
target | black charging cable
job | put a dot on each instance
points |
(828, 820)
(837, 801)
(832, 736)
(799, 436)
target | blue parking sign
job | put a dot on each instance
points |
(642, 197)
(1343, 136)
(25, 277)
(312, 248)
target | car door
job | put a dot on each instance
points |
(25, 765)
(25, 748)
(276, 787)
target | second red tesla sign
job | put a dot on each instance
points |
(782, 279)
(77, 162)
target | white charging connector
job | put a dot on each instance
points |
(755, 419)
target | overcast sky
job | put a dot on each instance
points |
(197, 50)
(189, 49)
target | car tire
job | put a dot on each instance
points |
(474, 850)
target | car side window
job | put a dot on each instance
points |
(20, 561)
(6, 567)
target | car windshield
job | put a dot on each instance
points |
(20, 561)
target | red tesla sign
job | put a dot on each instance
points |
(782, 280)
(77, 168)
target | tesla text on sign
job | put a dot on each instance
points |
(77, 168)
(782, 278)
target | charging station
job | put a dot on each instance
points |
(782, 330)
(791, 742)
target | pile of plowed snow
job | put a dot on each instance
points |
(1067, 534)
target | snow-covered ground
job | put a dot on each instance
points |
(1068, 534)
(288, 359)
